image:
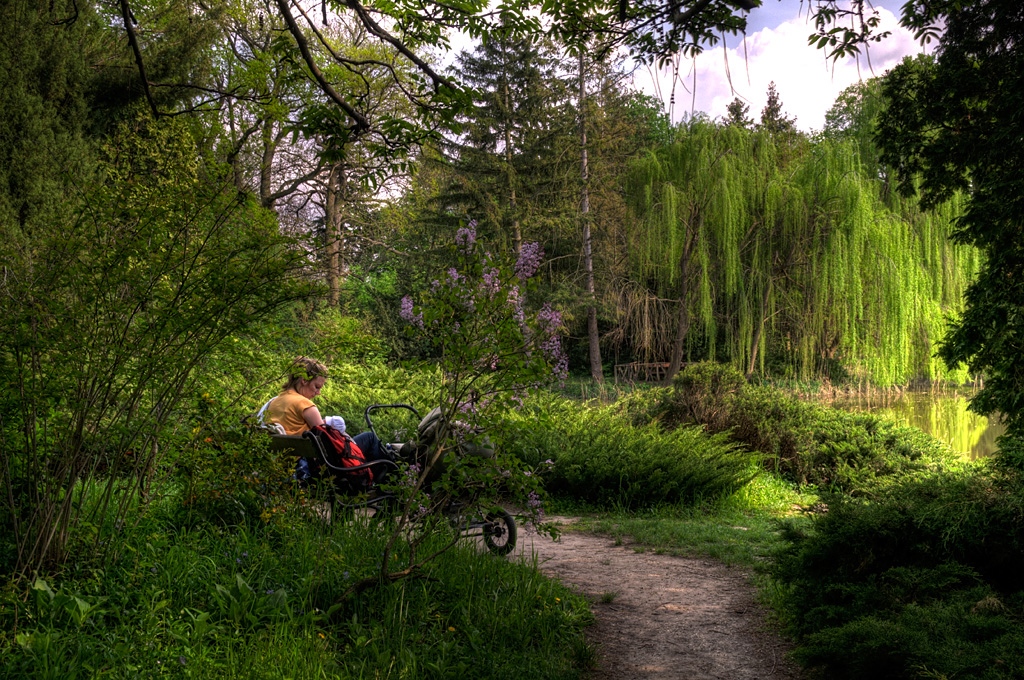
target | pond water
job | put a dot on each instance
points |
(942, 415)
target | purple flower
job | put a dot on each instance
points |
(534, 505)
(406, 310)
(550, 320)
(490, 284)
(550, 323)
(529, 260)
(516, 300)
(466, 237)
(407, 314)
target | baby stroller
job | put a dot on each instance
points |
(348, 480)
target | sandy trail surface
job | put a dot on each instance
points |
(660, 616)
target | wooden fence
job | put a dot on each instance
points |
(641, 372)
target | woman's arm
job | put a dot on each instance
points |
(312, 417)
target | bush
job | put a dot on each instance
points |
(231, 477)
(704, 393)
(806, 443)
(925, 577)
(599, 456)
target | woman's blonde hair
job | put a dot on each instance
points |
(304, 368)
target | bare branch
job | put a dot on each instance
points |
(379, 31)
(133, 40)
(361, 124)
(291, 186)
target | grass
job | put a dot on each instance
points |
(906, 566)
(198, 600)
(742, 530)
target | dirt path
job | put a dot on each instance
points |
(661, 617)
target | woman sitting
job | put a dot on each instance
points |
(293, 409)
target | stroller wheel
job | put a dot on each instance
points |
(500, 532)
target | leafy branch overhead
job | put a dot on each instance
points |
(411, 31)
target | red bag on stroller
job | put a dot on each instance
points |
(340, 452)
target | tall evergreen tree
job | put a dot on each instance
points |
(773, 120)
(510, 174)
(736, 114)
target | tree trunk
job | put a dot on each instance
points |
(682, 329)
(593, 338)
(683, 320)
(760, 328)
(517, 235)
(333, 203)
(267, 165)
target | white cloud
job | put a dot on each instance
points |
(806, 81)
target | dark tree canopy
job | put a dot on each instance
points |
(954, 124)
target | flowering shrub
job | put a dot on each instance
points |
(475, 317)
(492, 352)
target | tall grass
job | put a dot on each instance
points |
(269, 601)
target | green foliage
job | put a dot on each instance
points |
(924, 577)
(230, 477)
(787, 259)
(596, 455)
(806, 443)
(261, 601)
(950, 126)
(112, 309)
(340, 338)
(854, 117)
(647, 113)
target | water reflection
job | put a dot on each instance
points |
(942, 415)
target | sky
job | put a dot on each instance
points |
(776, 50)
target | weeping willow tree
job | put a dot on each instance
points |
(690, 203)
(798, 261)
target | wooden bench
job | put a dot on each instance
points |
(641, 372)
(292, 445)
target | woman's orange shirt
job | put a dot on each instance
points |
(286, 409)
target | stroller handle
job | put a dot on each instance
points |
(377, 407)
